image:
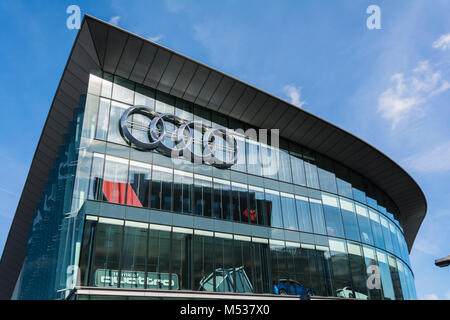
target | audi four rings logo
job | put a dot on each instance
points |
(218, 147)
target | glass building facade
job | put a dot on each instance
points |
(113, 204)
(147, 221)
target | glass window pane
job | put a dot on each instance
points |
(289, 212)
(364, 224)
(341, 270)
(139, 181)
(284, 167)
(262, 280)
(386, 234)
(318, 219)
(303, 214)
(373, 274)
(332, 215)
(358, 271)
(115, 181)
(280, 276)
(298, 170)
(243, 266)
(349, 218)
(117, 109)
(386, 281)
(181, 253)
(103, 119)
(312, 180)
(258, 210)
(376, 229)
(222, 199)
(123, 90)
(203, 262)
(134, 255)
(158, 261)
(240, 202)
(273, 206)
(108, 242)
(182, 192)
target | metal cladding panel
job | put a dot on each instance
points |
(318, 141)
(267, 110)
(232, 98)
(254, 107)
(315, 130)
(116, 41)
(244, 101)
(274, 118)
(184, 78)
(196, 83)
(208, 88)
(129, 57)
(291, 126)
(143, 62)
(303, 128)
(171, 73)
(220, 93)
(99, 33)
(157, 68)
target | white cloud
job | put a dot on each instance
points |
(430, 296)
(114, 20)
(443, 42)
(156, 38)
(294, 95)
(436, 159)
(409, 94)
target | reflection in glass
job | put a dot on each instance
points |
(364, 224)
(341, 271)
(303, 214)
(317, 216)
(257, 205)
(273, 206)
(386, 280)
(202, 196)
(332, 215)
(139, 181)
(349, 218)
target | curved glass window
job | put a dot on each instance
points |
(376, 228)
(386, 281)
(341, 270)
(349, 218)
(358, 271)
(373, 274)
(386, 234)
(364, 224)
(332, 215)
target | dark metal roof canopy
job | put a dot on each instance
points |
(100, 45)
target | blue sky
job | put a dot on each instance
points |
(391, 87)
